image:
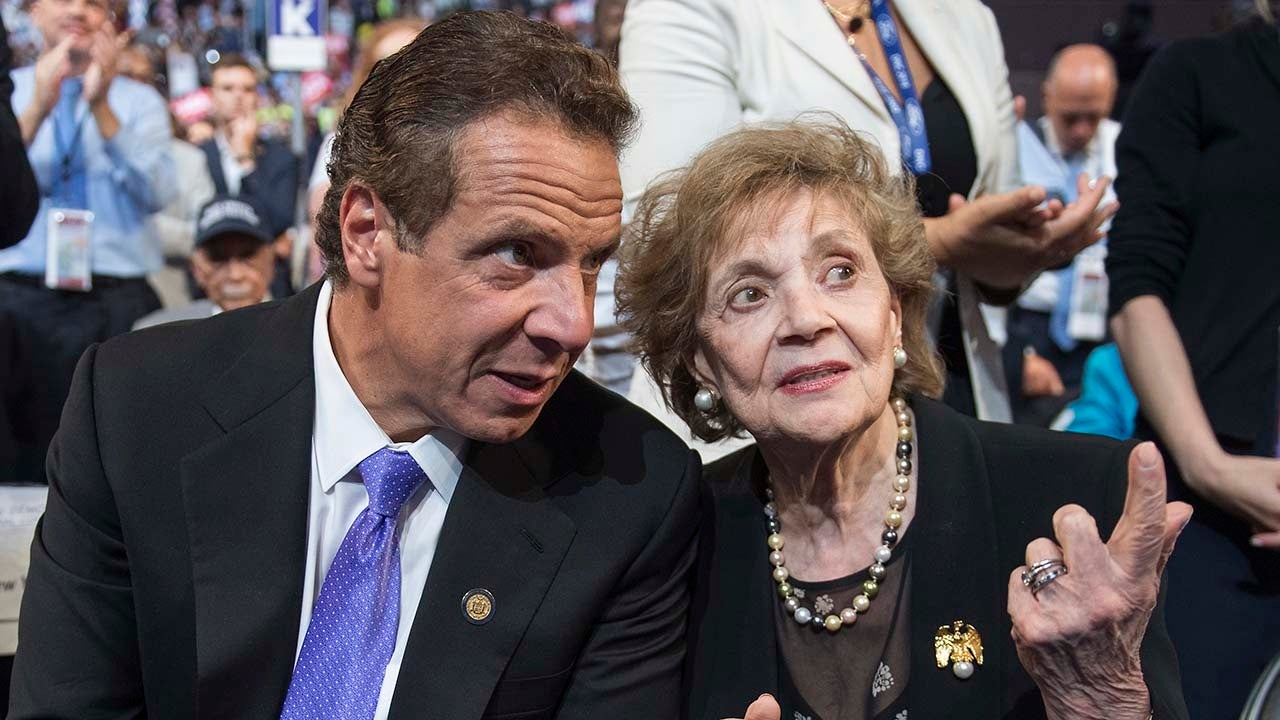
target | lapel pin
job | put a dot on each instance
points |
(477, 606)
(960, 645)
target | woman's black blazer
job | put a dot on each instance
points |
(984, 492)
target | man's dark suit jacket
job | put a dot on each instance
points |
(273, 184)
(166, 574)
(984, 492)
(18, 186)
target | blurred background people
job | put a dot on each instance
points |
(175, 223)
(1061, 317)
(1195, 307)
(234, 262)
(242, 163)
(698, 68)
(97, 143)
(1106, 404)
(383, 42)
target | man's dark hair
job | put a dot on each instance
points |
(397, 137)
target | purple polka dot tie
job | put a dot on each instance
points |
(353, 626)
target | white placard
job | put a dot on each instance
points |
(295, 53)
(20, 507)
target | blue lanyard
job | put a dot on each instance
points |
(66, 155)
(907, 115)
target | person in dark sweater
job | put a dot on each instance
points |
(1195, 304)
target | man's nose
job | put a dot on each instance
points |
(564, 315)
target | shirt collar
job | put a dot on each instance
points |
(345, 433)
(1051, 141)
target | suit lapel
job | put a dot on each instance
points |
(954, 569)
(245, 497)
(501, 534)
(811, 30)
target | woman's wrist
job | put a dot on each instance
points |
(1201, 465)
(938, 233)
(1090, 710)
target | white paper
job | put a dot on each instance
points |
(20, 507)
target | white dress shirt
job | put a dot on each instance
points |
(344, 434)
(1043, 163)
(231, 170)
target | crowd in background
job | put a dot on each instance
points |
(198, 147)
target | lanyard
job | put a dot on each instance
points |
(65, 154)
(907, 115)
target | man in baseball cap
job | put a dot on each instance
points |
(233, 262)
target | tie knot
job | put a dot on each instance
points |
(390, 477)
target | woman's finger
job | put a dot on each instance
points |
(1042, 549)
(1139, 536)
(1082, 547)
(1268, 540)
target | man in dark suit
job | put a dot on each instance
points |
(242, 164)
(389, 496)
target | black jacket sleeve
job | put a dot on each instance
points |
(17, 182)
(79, 648)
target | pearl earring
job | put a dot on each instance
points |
(899, 357)
(705, 399)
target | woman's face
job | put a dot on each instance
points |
(799, 325)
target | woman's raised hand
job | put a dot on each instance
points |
(764, 708)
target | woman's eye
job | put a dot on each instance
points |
(840, 273)
(515, 254)
(748, 296)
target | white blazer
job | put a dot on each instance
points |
(699, 68)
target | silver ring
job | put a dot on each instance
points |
(1048, 577)
(1030, 575)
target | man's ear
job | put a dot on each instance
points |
(367, 234)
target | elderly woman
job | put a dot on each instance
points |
(876, 552)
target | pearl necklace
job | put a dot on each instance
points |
(892, 521)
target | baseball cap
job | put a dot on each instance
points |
(230, 215)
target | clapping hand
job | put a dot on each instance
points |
(51, 69)
(1004, 240)
(104, 52)
(1079, 636)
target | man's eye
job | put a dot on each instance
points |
(595, 262)
(515, 254)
